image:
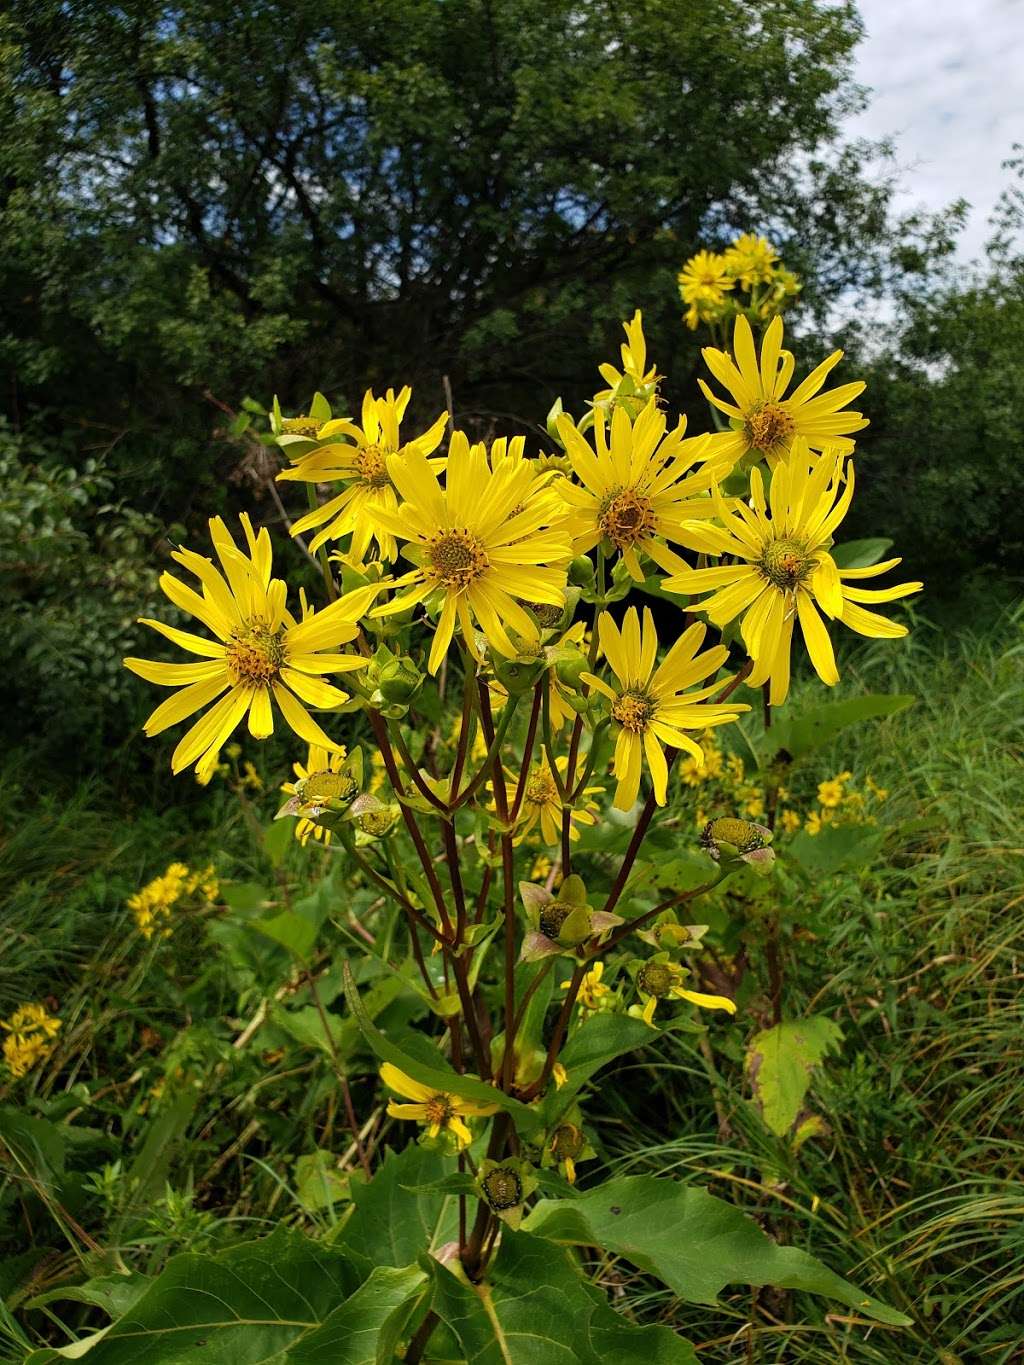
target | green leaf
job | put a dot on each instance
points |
(319, 1184)
(246, 1305)
(601, 1039)
(320, 408)
(393, 1222)
(435, 1073)
(291, 931)
(835, 848)
(535, 1308)
(277, 839)
(34, 1143)
(798, 735)
(115, 1294)
(693, 1242)
(860, 554)
(779, 1062)
(245, 895)
(352, 1334)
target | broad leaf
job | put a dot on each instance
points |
(246, 1305)
(352, 1334)
(535, 1308)
(860, 554)
(798, 735)
(779, 1062)
(693, 1242)
(394, 1220)
(599, 1040)
(436, 1072)
(293, 932)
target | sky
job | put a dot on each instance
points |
(947, 82)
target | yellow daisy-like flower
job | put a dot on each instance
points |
(650, 706)
(439, 1110)
(639, 486)
(542, 805)
(480, 542)
(751, 260)
(318, 760)
(766, 420)
(360, 459)
(634, 379)
(703, 283)
(592, 989)
(261, 654)
(785, 572)
(661, 979)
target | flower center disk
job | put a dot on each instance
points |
(769, 428)
(541, 789)
(655, 979)
(255, 654)
(503, 1188)
(634, 711)
(373, 467)
(438, 1109)
(786, 563)
(457, 558)
(626, 518)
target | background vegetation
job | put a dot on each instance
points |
(198, 207)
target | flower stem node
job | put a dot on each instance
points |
(730, 840)
(504, 1186)
(393, 680)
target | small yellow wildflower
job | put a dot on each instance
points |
(879, 793)
(30, 1031)
(592, 990)
(751, 260)
(831, 793)
(790, 821)
(438, 1109)
(152, 905)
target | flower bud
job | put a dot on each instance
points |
(730, 840)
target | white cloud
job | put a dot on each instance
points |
(948, 84)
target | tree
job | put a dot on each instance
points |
(202, 196)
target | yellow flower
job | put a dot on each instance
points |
(765, 420)
(751, 260)
(360, 460)
(785, 572)
(541, 867)
(318, 760)
(436, 1108)
(649, 706)
(592, 989)
(703, 283)
(879, 793)
(634, 381)
(30, 1031)
(637, 487)
(814, 822)
(480, 543)
(261, 653)
(790, 821)
(661, 979)
(830, 793)
(543, 806)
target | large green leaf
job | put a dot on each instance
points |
(779, 1062)
(693, 1242)
(535, 1308)
(352, 1334)
(595, 1043)
(798, 735)
(436, 1072)
(394, 1220)
(246, 1305)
